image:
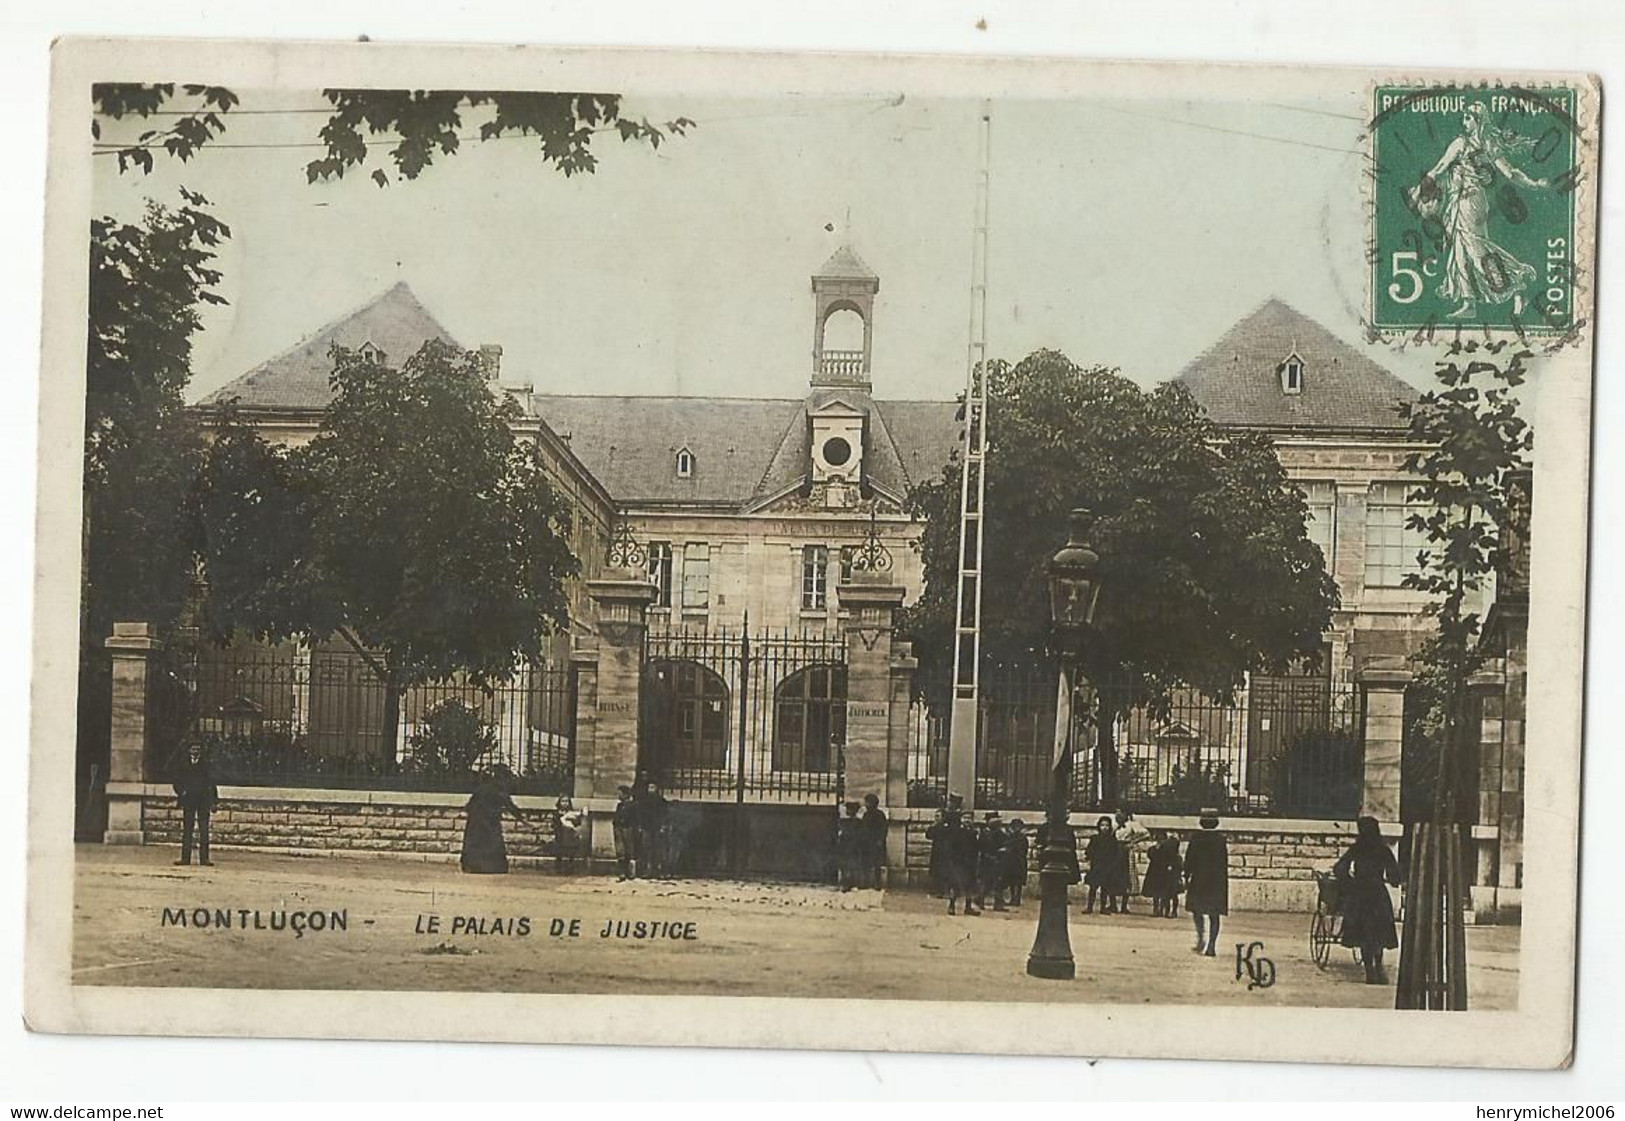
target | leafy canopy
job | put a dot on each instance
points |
(147, 283)
(1206, 569)
(416, 125)
(1475, 440)
(415, 524)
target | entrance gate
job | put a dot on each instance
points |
(733, 723)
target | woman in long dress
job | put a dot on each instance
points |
(1457, 191)
(1365, 871)
(484, 851)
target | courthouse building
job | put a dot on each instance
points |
(726, 641)
(743, 507)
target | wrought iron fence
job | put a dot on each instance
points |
(1289, 747)
(290, 716)
(747, 717)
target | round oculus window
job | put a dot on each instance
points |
(837, 451)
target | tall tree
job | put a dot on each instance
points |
(147, 282)
(1473, 439)
(1206, 567)
(415, 526)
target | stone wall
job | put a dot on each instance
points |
(327, 821)
(1272, 863)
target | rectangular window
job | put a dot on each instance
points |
(696, 576)
(1322, 524)
(814, 577)
(660, 571)
(1390, 545)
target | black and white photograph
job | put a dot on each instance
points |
(1085, 558)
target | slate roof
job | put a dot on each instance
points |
(845, 264)
(1237, 379)
(746, 451)
(630, 444)
(394, 322)
(749, 451)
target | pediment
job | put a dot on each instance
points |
(837, 407)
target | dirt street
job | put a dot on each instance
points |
(399, 924)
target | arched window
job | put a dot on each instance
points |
(809, 719)
(685, 464)
(685, 716)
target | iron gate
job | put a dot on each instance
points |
(741, 717)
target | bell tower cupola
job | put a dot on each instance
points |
(843, 320)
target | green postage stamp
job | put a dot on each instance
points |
(1473, 208)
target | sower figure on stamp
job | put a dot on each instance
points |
(1366, 870)
(197, 793)
(1207, 880)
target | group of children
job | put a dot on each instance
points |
(1110, 855)
(973, 864)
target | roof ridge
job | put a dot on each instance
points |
(398, 290)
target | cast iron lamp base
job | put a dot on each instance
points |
(1051, 955)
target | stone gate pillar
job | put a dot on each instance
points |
(584, 667)
(132, 646)
(903, 667)
(871, 603)
(622, 599)
(1384, 683)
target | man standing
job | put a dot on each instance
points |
(955, 846)
(990, 861)
(873, 824)
(626, 833)
(197, 793)
(1207, 880)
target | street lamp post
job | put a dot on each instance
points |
(1074, 584)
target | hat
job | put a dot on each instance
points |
(1209, 818)
(991, 815)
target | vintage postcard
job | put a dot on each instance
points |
(812, 551)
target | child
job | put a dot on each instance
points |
(1015, 860)
(1104, 856)
(1163, 873)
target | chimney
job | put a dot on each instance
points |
(491, 361)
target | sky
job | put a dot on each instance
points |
(1128, 232)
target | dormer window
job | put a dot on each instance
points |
(685, 464)
(371, 352)
(1292, 375)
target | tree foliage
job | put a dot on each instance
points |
(415, 525)
(415, 125)
(1206, 569)
(1474, 439)
(148, 281)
